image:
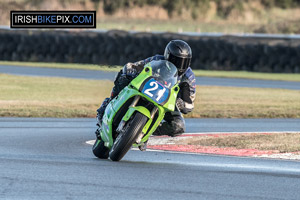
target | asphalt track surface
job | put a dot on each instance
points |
(99, 75)
(49, 159)
(192, 125)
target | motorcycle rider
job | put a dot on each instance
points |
(179, 53)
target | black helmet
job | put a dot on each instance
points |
(179, 53)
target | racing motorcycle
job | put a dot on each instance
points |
(132, 116)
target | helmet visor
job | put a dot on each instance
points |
(181, 63)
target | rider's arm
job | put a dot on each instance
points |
(187, 93)
(133, 69)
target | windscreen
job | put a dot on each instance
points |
(164, 72)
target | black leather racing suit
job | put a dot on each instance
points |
(173, 123)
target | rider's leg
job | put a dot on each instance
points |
(173, 125)
(101, 109)
(120, 82)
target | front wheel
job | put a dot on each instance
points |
(127, 137)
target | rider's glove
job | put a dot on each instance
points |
(129, 70)
(181, 106)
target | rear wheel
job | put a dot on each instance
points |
(100, 150)
(127, 137)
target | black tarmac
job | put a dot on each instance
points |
(49, 159)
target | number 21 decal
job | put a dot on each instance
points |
(151, 91)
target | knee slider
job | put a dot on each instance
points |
(178, 127)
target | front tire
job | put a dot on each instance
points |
(127, 137)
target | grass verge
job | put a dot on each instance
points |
(22, 96)
(281, 142)
(232, 102)
(207, 73)
(174, 25)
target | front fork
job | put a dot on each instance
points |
(151, 116)
(142, 134)
(133, 104)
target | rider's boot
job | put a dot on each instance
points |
(173, 124)
(143, 147)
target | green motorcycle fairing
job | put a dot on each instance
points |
(137, 88)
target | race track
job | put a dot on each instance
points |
(98, 75)
(49, 159)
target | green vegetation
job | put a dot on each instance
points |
(62, 97)
(223, 8)
(290, 27)
(50, 97)
(230, 16)
(208, 73)
(174, 25)
(281, 142)
(232, 102)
